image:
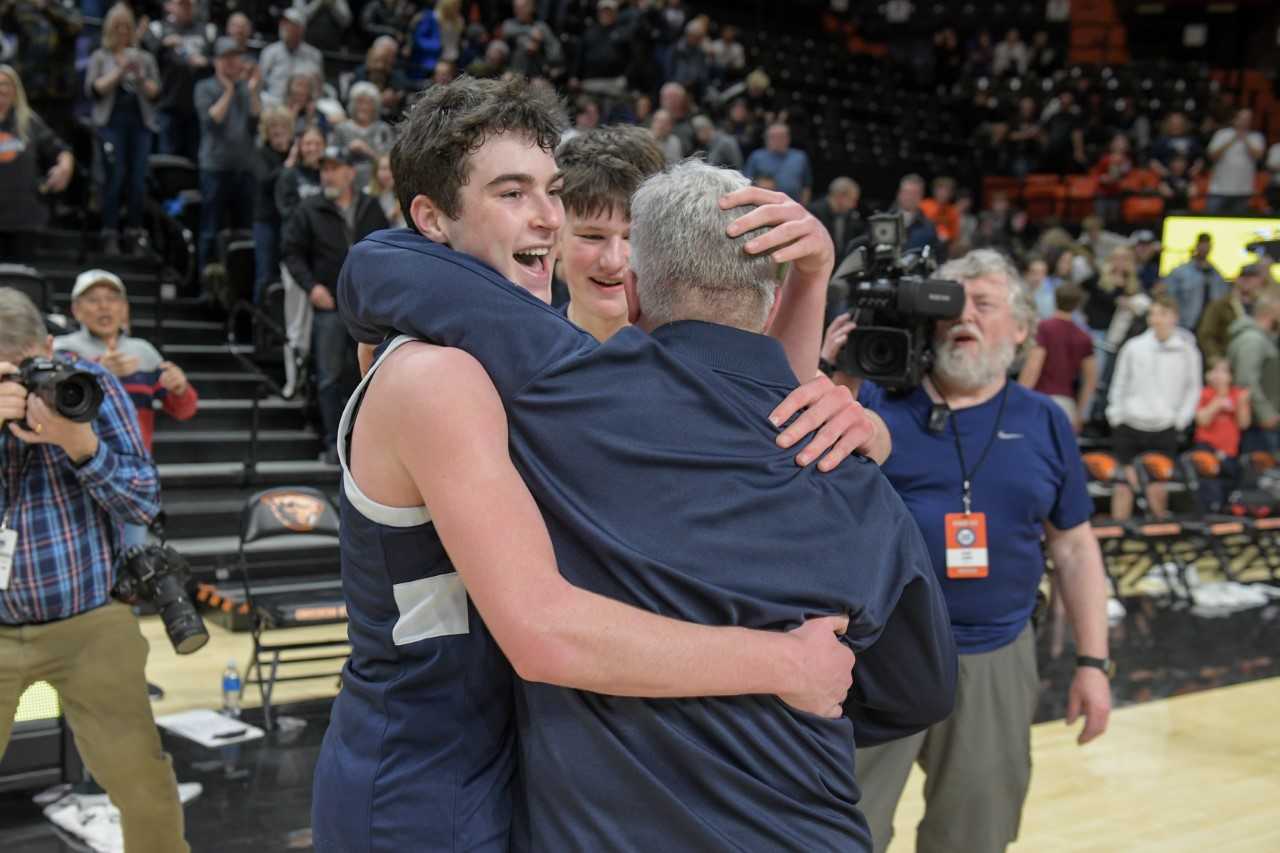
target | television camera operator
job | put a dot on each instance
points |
(989, 470)
(68, 486)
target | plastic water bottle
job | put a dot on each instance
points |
(231, 690)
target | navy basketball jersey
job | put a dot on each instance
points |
(420, 749)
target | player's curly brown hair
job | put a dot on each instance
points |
(452, 121)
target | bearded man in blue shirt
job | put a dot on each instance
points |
(989, 470)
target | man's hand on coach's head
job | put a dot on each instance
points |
(44, 426)
(795, 235)
(838, 423)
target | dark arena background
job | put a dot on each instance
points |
(1095, 143)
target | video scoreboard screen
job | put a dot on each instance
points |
(1230, 236)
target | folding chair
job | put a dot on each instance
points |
(1162, 537)
(1256, 505)
(1228, 538)
(269, 514)
(1105, 473)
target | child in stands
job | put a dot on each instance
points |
(1222, 414)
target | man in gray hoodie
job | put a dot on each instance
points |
(1255, 364)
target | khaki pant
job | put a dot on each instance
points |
(977, 763)
(96, 663)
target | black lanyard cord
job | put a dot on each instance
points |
(967, 475)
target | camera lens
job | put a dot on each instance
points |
(70, 397)
(78, 397)
(882, 354)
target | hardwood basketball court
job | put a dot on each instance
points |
(1196, 772)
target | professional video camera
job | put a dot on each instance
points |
(73, 393)
(158, 575)
(894, 303)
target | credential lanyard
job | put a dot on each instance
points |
(966, 475)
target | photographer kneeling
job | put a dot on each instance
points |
(69, 486)
(988, 469)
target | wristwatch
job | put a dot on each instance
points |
(1107, 665)
(826, 367)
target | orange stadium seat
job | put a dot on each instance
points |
(1142, 203)
(1042, 197)
(1081, 190)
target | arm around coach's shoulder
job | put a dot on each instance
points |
(550, 630)
(401, 281)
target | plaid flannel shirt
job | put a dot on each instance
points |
(68, 518)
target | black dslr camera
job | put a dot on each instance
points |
(73, 393)
(157, 574)
(894, 303)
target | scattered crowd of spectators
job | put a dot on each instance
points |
(1156, 362)
(1163, 363)
(1219, 159)
(257, 113)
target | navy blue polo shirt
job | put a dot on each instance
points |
(1033, 474)
(657, 472)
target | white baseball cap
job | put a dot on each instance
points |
(90, 278)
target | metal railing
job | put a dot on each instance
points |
(259, 319)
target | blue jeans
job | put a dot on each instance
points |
(179, 134)
(334, 355)
(226, 200)
(1257, 438)
(125, 167)
(266, 257)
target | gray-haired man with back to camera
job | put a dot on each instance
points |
(66, 490)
